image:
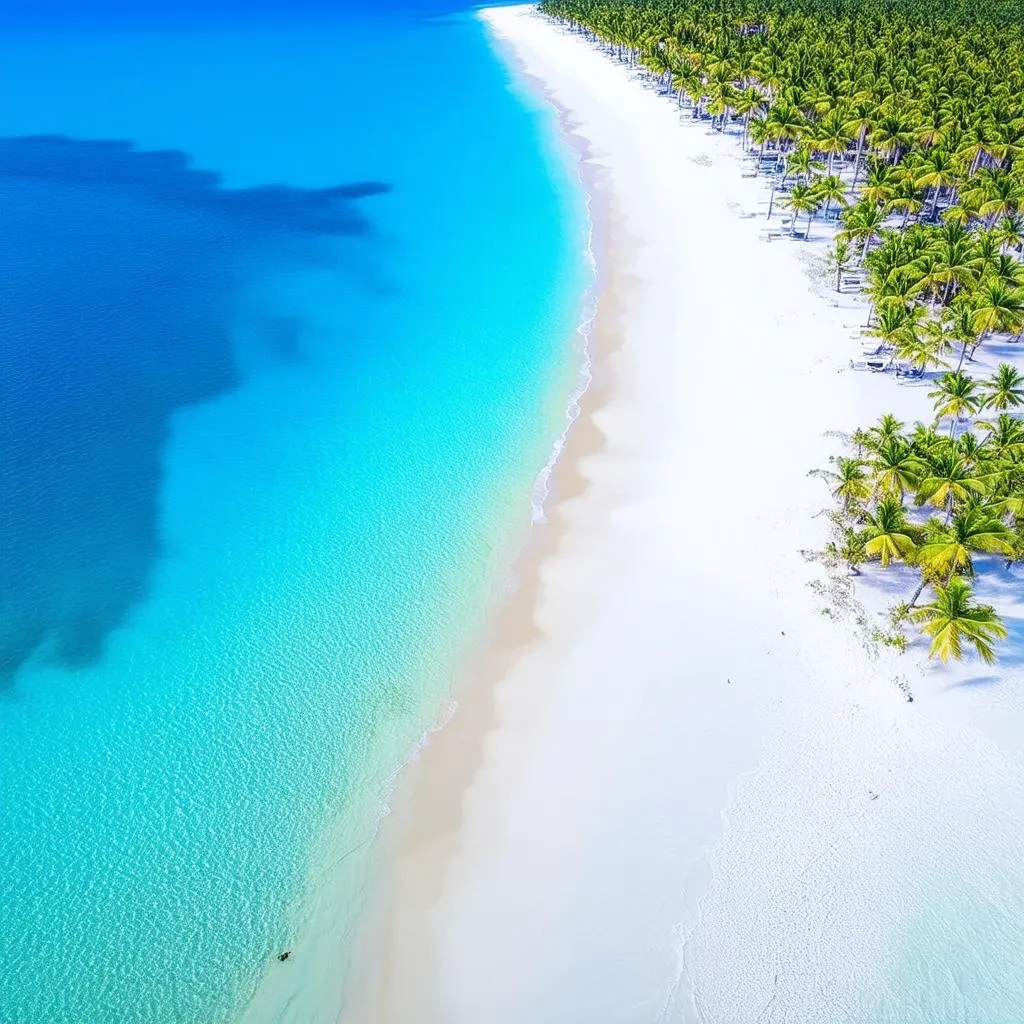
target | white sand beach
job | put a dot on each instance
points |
(683, 787)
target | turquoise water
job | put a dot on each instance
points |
(266, 466)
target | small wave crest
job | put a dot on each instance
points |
(582, 346)
(412, 756)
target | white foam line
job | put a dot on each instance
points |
(585, 376)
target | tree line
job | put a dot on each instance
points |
(903, 121)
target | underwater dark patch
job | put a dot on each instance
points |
(119, 273)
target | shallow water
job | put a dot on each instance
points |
(265, 453)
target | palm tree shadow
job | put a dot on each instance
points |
(897, 582)
(1000, 350)
(1011, 652)
(975, 681)
(1002, 586)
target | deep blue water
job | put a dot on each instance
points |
(122, 273)
(286, 309)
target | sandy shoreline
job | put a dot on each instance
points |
(674, 790)
(418, 846)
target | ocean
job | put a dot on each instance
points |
(288, 322)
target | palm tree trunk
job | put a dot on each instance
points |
(856, 159)
(917, 593)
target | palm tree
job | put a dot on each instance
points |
(839, 259)
(849, 483)
(888, 428)
(949, 547)
(687, 81)
(1010, 231)
(722, 92)
(920, 353)
(1004, 389)
(888, 534)
(832, 190)
(989, 249)
(906, 199)
(953, 619)
(1007, 270)
(1006, 435)
(880, 186)
(929, 273)
(801, 164)
(745, 103)
(958, 319)
(1003, 197)
(896, 323)
(948, 480)
(892, 134)
(898, 290)
(997, 307)
(959, 263)
(971, 450)
(896, 468)
(961, 213)
(786, 122)
(802, 199)
(934, 342)
(862, 222)
(850, 550)
(858, 123)
(759, 136)
(936, 174)
(831, 136)
(955, 397)
(925, 441)
(659, 61)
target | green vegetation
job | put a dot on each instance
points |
(902, 123)
(903, 117)
(935, 501)
(953, 619)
